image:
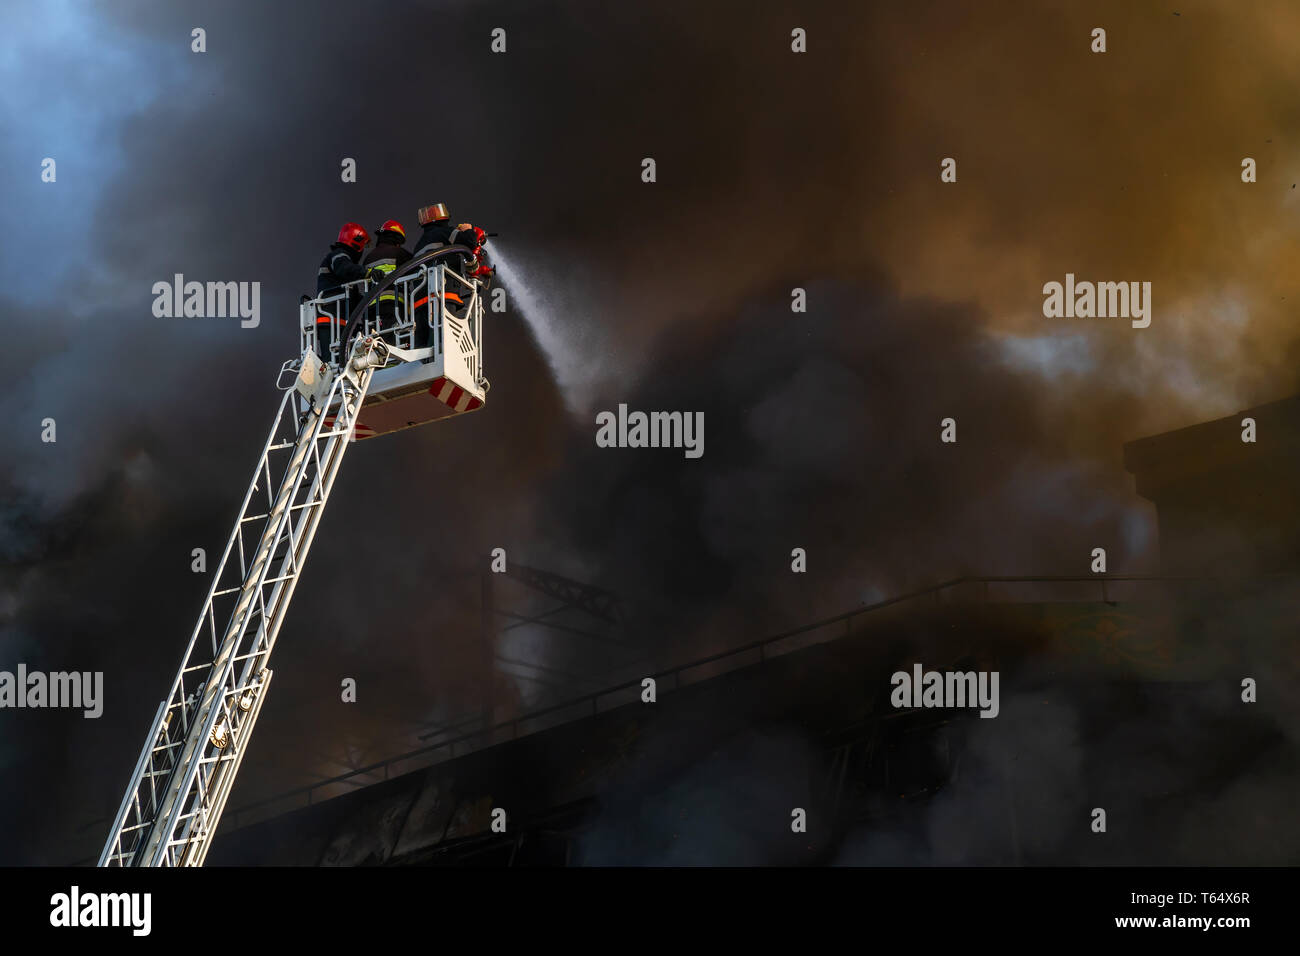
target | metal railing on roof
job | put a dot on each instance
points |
(587, 705)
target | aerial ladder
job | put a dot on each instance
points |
(377, 381)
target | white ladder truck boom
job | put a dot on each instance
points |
(201, 731)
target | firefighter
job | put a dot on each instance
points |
(388, 255)
(439, 233)
(481, 270)
(341, 264)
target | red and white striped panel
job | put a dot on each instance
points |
(453, 396)
(362, 430)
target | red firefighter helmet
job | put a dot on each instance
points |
(354, 236)
(435, 213)
(392, 225)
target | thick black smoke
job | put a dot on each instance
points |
(821, 428)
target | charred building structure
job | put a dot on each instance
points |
(1142, 720)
